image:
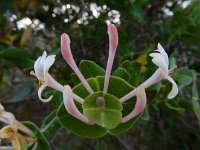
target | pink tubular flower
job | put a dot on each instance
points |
(113, 42)
(67, 55)
(71, 107)
(139, 106)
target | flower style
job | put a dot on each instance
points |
(160, 58)
(11, 131)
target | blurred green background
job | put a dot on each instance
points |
(27, 27)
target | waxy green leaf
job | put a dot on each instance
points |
(121, 73)
(108, 115)
(134, 69)
(41, 140)
(91, 69)
(50, 125)
(117, 88)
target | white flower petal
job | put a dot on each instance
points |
(158, 59)
(38, 68)
(7, 117)
(44, 55)
(41, 89)
(162, 51)
(48, 62)
(39, 61)
(174, 90)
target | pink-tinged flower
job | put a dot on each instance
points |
(113, 43)
(41, 68)
(160, 58)
(67, 55)
(139, 106)
(71, 107)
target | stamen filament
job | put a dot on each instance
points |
(78, 99)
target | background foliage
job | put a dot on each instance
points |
(27, 27)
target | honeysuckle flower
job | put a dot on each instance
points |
(162, 61)
(67, 92)
(41, 68)
(139, 106)
(10, 131)
(43, 64)
(160, 58)
(67, 55)
(113, 42)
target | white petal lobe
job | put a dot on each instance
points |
(41, 89)
(174, 90)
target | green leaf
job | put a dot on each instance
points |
(50, 125)
(133, 68)
(42, 142)
(172, 60)
(37, 52)
(18, 56)
(184, 78)
(195, 97)
(82, 92)
(174, 106)
(74, 79)
(77, 127)
(5, 5)
(117, 88)
(90, 69)
(57, 97)
(108, 115)
(137, 13)
(186, 104)
(121, 73)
